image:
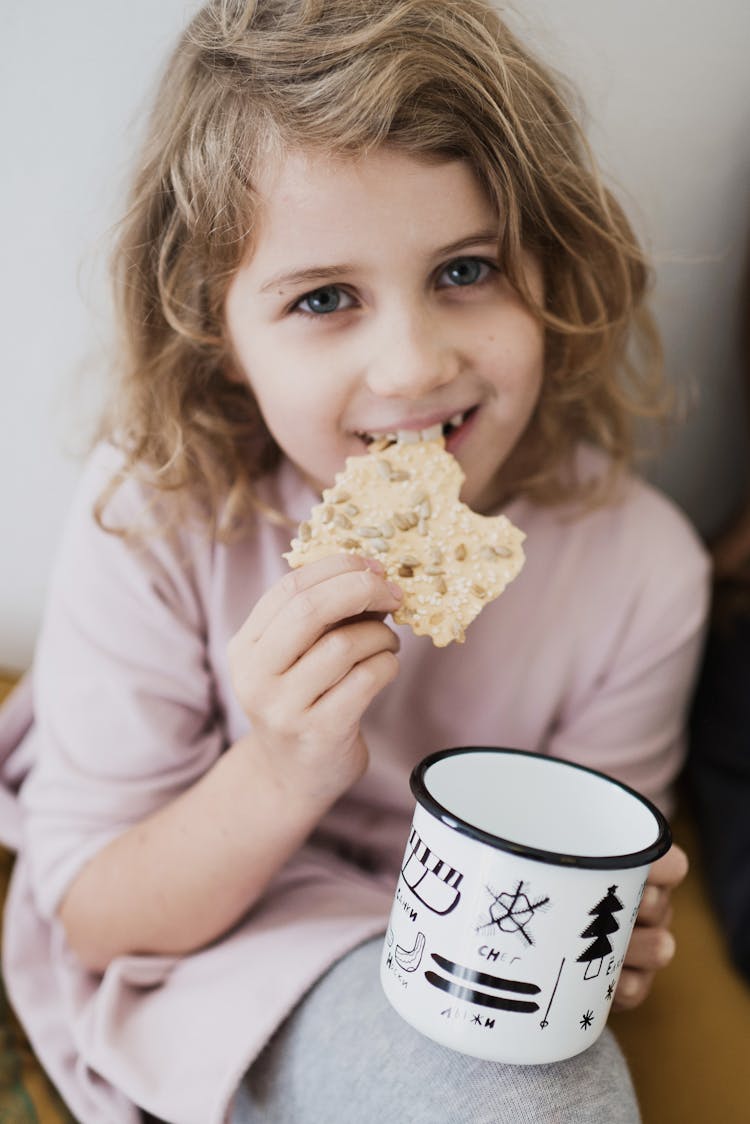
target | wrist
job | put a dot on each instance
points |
(303, 777)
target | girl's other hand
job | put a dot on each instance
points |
(306, 664)
(652, 945)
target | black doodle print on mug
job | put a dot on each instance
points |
(434, 882)
(545, 1021)
(495, 984)
(409, 959)
(601, 928)
(511, 911)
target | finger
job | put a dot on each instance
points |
(333, 656)
(655, 907)
(313, 611)
(299, 580)
(342, 707)
(650, 948)
(632, 989)
(670, 869)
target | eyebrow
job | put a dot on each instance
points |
(317, 273)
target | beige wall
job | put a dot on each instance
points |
(667, 83)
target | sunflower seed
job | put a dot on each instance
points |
(305, 532)
(405, 571)
(380, 545)
(440, 585)
(350, 544)
(342, 521)
(386, 530)
(401, 521)
(384, 468)
(400, 474)
(328, 513)
(493, 552)
(479, 591)
(460, 552)
(408, 560)
(369, 532)
(351, 509)
(340, 497)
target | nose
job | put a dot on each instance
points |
(413, 355)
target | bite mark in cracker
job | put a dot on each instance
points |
(400, 504)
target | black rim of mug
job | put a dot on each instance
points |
(643, 857)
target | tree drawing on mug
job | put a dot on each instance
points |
(601, 927)
(432, 880)
(511, 912)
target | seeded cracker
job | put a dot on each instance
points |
(400, 504)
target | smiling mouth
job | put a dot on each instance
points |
(411, 436)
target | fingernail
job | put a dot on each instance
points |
(396, 590)
(628, 986)
(667, 947)
(651, 897)
(373, 564)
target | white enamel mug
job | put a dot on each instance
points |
(517, 896)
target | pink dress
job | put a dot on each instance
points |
(589, 655)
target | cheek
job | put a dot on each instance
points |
(515, 354)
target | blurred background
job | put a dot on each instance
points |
(666, 87)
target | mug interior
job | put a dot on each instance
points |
(548, 808)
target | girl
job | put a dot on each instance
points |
(350, 217)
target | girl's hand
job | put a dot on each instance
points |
(652, 946)
(306, 664)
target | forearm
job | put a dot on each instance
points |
(187, 873)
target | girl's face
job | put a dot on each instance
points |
(372, 303)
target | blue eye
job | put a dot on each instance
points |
(321, 301)
(466, 271)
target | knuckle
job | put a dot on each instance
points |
(338, 645)
(291, 583)
(379, 669)
(306, 605)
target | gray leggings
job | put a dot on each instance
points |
(344, 1054)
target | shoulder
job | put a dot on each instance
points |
(124, 539)
(152, 545)
(654, 534)
(635, 553)
(638, 523)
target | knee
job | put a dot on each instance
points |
(452, 1088)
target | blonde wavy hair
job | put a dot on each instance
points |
(439, 79)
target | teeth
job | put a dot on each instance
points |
(412, 436)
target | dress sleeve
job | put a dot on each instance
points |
(124, 702)
(628, 718)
